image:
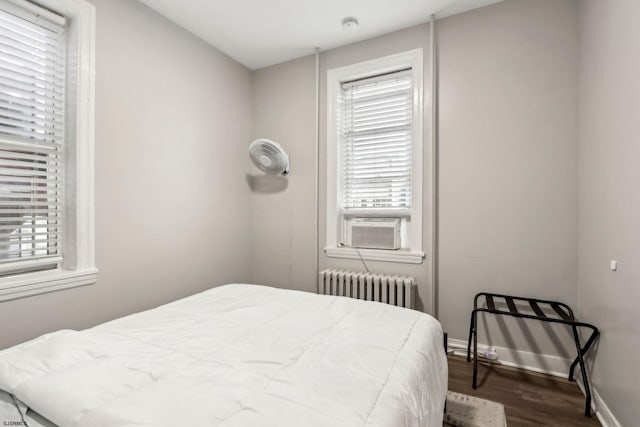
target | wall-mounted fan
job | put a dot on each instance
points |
(269, 157)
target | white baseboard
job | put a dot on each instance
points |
(542, 363)
(599, 407)
(545, 364)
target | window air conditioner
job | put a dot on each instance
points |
(373, 233)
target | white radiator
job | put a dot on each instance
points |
(386, 288)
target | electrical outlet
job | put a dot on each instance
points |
(491, 354)
(613, 265)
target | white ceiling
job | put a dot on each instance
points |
(259, 33)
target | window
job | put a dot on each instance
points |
(46, 147)
(375, 119)
(31, 142)
(374, 165)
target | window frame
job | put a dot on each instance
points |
(413, 253)
(78, 266)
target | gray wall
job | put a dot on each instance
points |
(173, 119)
(508, 163)
(610, 197)
(282, 208)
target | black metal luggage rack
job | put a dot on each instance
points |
(565, 316)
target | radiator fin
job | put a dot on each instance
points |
(385, 288)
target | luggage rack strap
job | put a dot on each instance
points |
(511, 305)
(490, 304)
(538, 306)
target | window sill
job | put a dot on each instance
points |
(402, 256)
(29, 284)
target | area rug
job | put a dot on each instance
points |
(468, 411)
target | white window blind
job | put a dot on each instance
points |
(375, 124)
(32, 110)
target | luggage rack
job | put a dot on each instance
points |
(564, 316)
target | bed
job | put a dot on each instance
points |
(235, 355)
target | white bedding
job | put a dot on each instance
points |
(239, 355)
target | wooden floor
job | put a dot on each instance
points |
(529, 399)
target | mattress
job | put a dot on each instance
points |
(238, 355)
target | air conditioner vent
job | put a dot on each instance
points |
(374, 233)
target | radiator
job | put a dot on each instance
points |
(386, 288)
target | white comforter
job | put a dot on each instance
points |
(239, 355)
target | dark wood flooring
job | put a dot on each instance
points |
(529, 399)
